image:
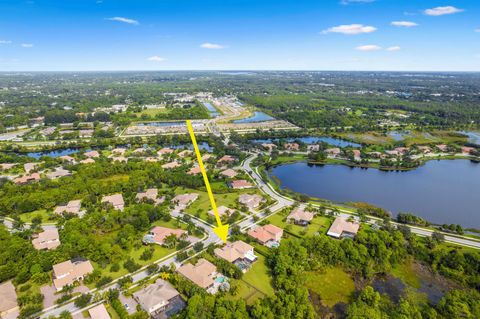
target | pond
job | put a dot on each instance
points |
(55, 153)
(256, 117)
(398, 136)
(213, 111)
(439, 191)
(313, 140)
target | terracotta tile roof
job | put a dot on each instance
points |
(341, 225)
(299, 214)
(202, 274)
(48, 239)
(99, 312)
(229, 173)
(66, 273)
(240, 183)
(155, 296)
(233, 251)
(266, 233)
(8, 297)
(160, 233)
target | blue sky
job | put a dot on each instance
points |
(426, 35)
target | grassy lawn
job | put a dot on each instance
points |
(153, 112)
(201, 206)
(318, 224)
(256, 283)
(333, 286)
(27, 217)
(406, 273)
(115, 178)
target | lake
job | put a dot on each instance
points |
(256, 117)
(439, 191)
(313, 140)
(55, 153)
(473, 137)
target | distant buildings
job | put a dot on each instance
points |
(222, 211)
(27, 179)
(183, 200)
(171, 165)
(229, 173)
(226, 159)
(48, 239)
(58, 173)
(116, 200)
(341, 228)
(150, 194)
(92, 154)
(268, 235)
(67, 272)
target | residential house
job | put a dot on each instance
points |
(240, 184)
(357, 155)
(268, 235)
(194, 170)
(442, 147)
(99, 312)
(58, 173)
(164, 151)
(67, 158)
(27, 179)
(183, 200)
(48, 239)
(67, 272)
(92, 154)
(313, 147)
(8, 299)
(203, 273)
(185, 153)
(30, 167)
(85, 133)
(7, 166)
(269, 146)
(156, 298)
(341, 227)
(424, 149)
(229, 173)
(226, 159)
(116, 200)
(170, 165)
(87, 161)
(119, 151)
(158, 234)
(150, 194)
(206, 157)
(467, 150)
(222, 211)
(73, 207)
(300, 217)
(238, 253)
(334, 152)
(119, 159)
(291, 146)
(251, 201)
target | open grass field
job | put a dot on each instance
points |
(46, 216)
(201, 206)
(256, 283)
(334, 286)
(319, 224)
(152, 112)
(407, 274)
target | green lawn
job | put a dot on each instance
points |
(46, 216)
(333, 286)
(406, 273)
(318, 224)
(256, 283)
(152, 112)
(201, 206)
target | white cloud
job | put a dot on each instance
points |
(440, 11)
(208, 45)
(477, 30)
(156, 58)
(405, 24)
(355, 1)
(5, 42)
(124, 20)
(27, 45)
(350, 29)
(394, 48)
(368, 47)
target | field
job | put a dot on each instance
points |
(407, 274)
(256, 283)
(27, 217)
(334, 286)
(318, 224)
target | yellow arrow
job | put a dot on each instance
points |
(220, 230)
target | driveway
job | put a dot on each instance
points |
(49, 295)
(132, 304)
